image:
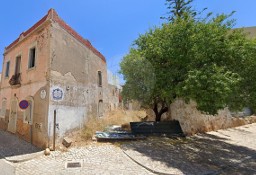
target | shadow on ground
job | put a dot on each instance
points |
(11, 145)
(205, 154)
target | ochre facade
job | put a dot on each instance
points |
(53, 68)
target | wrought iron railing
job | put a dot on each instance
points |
(15, 80)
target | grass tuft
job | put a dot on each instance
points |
(116, 117)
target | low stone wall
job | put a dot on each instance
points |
(193, 121)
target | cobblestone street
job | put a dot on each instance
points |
(11, 145)
(231, 151)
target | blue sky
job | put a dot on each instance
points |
(110, 25)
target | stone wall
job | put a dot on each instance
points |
(193, 121)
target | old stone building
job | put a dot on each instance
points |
(53, 68)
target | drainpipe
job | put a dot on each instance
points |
(54, 129)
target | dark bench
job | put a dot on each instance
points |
(169, 128)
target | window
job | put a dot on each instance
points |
(99, 78)
(32, 57)
(18, 62)
(7, 69)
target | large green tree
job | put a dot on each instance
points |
(201, 60)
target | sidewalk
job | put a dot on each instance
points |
(231, 151)
(14, 149)
(94, 159)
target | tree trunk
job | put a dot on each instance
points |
(158, 117)
(159, 114)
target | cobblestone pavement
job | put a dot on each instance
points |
(94, 159)
(11, 145)
(231, 151)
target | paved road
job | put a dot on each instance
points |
(231, 151)
(94, 159)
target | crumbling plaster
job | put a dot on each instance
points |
(33, 80)
(65, 79)
(74, 70)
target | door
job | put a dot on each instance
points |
(13, 116)
(100, 108)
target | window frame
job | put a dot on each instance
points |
(7, 73)
(99, 76)
(30, 57)
(17, 70)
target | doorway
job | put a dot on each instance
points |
(13, 116)
(100, 108)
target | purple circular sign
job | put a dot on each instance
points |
(24, 104)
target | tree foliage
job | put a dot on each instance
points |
(179, 9)
(201, 60)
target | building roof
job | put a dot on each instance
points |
(52, 15)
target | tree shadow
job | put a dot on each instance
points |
(204, 154)
(12, 145)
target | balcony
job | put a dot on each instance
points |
(15, 80)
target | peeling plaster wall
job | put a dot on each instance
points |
(67, 118)
(74, 70)
(39, 39)
(32, 82)
(69, 55)
(64, 63)
(40, 127)
(193, 121)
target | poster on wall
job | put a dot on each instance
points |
(57, 93)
